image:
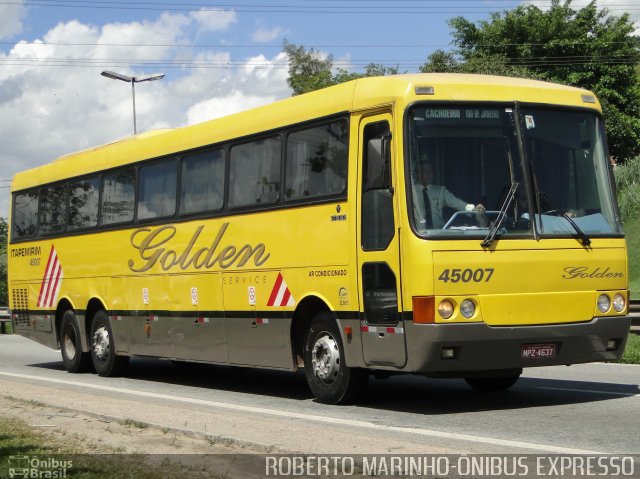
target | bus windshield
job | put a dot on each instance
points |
(471, 167)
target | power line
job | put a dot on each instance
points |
(179, 62)
(309, 4)
(402, 64)
(205, 45)
(247, 8)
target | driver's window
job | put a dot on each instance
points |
(435, 203)
(459, 166)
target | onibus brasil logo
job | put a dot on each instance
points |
(38, 467)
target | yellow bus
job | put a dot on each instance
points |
(436, 224)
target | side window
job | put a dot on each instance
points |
(53, 209)
(380, 293)
(83, 203)
(202, 182)
(317, 161)
(254, 177)
(25, 214)
(157, 190)
(118, 196)
(378, 226)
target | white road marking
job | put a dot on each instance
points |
(319, 419)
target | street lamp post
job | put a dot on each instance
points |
(133, 81)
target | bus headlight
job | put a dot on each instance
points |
(619, 303)
(445, 309)
(604, 303)
(467, 308)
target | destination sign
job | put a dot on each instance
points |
(457, 114)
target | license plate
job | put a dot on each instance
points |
(538, 351)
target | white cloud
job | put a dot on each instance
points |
(11, 19)
(266, 35)
(214, 20)
(48, 111)
(167, 30)
(256, 82)
(217, 107)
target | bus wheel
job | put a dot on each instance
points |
(103, 353)
(74, 360)
(497, 383)
(330, 380)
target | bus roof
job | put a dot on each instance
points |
(351, 96)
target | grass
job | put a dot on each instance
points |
(135, 424)
(17, 438)
(632, 234)
(7, 328)
(632, 350)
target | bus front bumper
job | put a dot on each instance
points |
(460, 350)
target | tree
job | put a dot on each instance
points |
(310, 70)
(442, 62)
(586, 48)
(447, 62)
(4, 228)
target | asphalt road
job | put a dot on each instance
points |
(581, 409)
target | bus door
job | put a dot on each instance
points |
(382, 328)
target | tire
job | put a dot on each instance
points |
(103, 351)
(497, 383)
(329, 379)
(74, 360)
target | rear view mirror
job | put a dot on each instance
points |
(378, 173)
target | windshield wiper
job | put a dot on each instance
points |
(584, 239)
(502, 214)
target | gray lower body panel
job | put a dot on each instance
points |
(239, 341)
(479, 347)
(37, 327)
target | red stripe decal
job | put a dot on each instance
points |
(44, 279)
(54, 284)
(274, 291)
(46, 296)
(285, 298)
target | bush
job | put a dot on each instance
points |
(628, 186)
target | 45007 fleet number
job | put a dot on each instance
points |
(458, 275)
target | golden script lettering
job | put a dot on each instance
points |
(153, 249)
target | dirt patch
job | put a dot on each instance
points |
(101, 435)
(165, 451)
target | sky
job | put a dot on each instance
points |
(219, 57)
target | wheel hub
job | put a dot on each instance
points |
(101, 342)
(325, 358)
(69, 346)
